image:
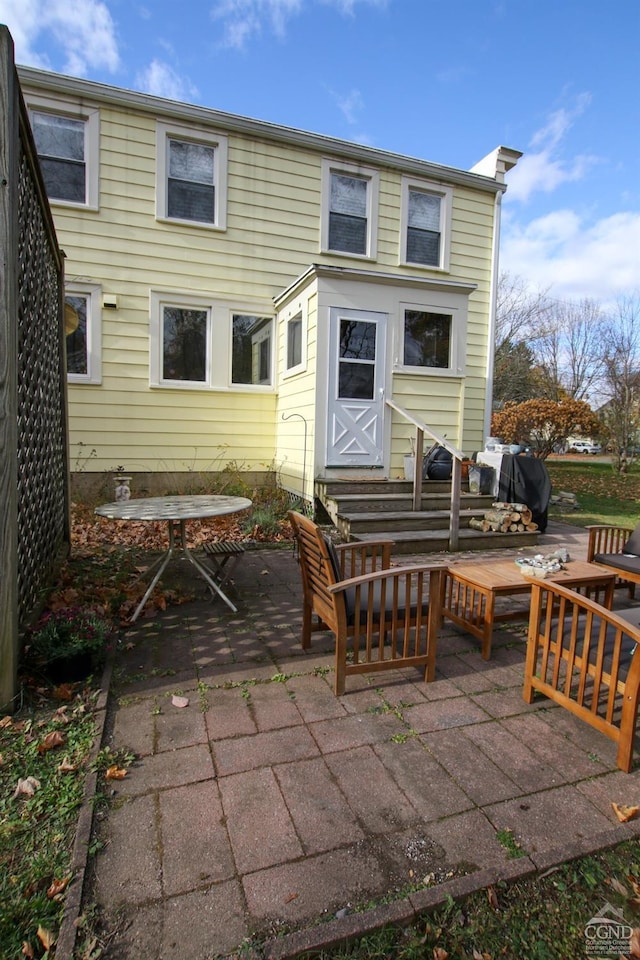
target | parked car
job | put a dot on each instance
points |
(585, 446)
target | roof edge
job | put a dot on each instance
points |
(317, 270)
(47, 81)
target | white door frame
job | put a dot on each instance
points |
(356, 422)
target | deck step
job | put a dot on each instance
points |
(371, 509)
(437, 541)
(352, 524)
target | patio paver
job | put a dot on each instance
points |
(268, 805)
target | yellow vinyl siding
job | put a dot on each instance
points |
(272, 237)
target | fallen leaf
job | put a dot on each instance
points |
(26, 787)
(115, 773)
(624, 813)
(179, 701)
(61, 715)
(64, 691)
(439, 953)
(618, 887)
(635, 884)
(634, 942)
(46, 938)
(66, 766)
(27, 950)
(51, 741)
(57, 887)
(291, 898)
(493, 898)
(5, 722)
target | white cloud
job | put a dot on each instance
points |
(83, 31)
(161, 80)
(576, 259)
(244, 19)
(544, 168)
(350, 104)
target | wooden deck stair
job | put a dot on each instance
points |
(362, 509)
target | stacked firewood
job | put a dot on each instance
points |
(506, 518)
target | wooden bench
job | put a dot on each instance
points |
(587, 659)
(224, 555)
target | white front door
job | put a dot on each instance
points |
(355, 422)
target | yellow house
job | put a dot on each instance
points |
(253, 293)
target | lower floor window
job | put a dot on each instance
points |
(184, 344)
(251, 351)
(427, 339)
(82, 312)
(195, 343)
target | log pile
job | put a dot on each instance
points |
(505, 518)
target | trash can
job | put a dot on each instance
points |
(480, 478)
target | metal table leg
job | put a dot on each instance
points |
(177, 542)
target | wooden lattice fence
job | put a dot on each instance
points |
(34, 525)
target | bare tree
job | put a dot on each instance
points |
(571, 351)
(520, 320)
(621, 381)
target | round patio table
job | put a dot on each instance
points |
(176, 511)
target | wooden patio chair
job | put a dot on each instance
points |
(353, 591)
(618, 549)
(587, 659)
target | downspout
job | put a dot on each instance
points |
(493, 293)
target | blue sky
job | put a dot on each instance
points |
(444, 81)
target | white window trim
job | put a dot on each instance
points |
(373, 190)
(93, 292)
(445, 194)
(220, 315)
(456, 308)
(295, 311)
(166, 131)
(91, 118)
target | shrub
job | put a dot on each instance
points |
(71, 633)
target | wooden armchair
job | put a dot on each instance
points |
(618, 549)
(380, 615)
(587, 659)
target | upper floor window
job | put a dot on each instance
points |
(425, 224)
(201, 343)
(349, 220)
(191, 176)
(82, 312)
(67, 144)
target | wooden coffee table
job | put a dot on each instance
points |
(470, 591)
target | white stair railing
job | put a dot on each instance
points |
(456, 472)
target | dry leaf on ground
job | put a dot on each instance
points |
(57, 887)
(26, 787)
(51, 741)
(624, 813)
(115, 773)
(179, 701)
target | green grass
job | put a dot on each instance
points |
(537, 919)
(603, 495)
(51, 745)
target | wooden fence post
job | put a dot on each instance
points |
(9, 172)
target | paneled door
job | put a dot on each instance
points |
(355, 422)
